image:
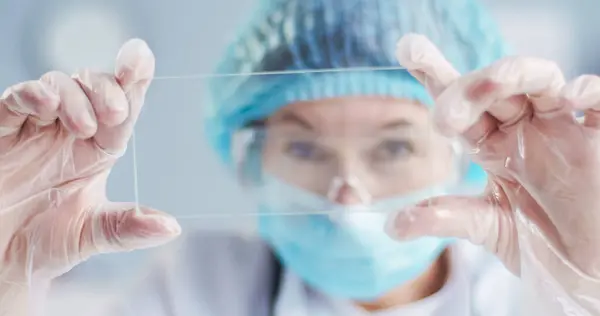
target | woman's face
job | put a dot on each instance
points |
(357, 148)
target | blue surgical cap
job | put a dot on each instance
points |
(299, 35)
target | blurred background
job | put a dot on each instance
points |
(187, 37)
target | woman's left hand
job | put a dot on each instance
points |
(540, 214)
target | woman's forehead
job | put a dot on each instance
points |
(361, 113)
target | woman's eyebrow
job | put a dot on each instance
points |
(295, 119)
(396, 124)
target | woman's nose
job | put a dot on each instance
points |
(348, 191)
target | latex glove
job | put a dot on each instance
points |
(541, 211)
(59, 138)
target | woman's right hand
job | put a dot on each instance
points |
(59, 138)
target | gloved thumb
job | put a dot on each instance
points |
(476, 219)
(121, 227)
(135, 65)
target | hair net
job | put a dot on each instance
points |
(296, 35)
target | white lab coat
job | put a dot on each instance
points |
(227, 275)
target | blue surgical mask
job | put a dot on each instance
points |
(343, 250)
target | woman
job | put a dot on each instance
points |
(335, 142)
(330, 144)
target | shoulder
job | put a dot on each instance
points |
(204, 268)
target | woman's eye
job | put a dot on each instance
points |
(394, 149)
(304, 150)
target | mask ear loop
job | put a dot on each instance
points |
(247, 156)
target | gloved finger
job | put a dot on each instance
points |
(134, 72)
(499, 90)
(472, 218)
(75, 110)
(108, 99)
(428, 65)
(24, 99)
(520, 73)
(121, 227)
(506, 111)
(583, 94)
